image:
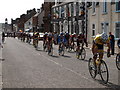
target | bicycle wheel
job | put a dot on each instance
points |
(118, 61)
(83, 54)
(77, 54)
(92, 68)
(62, 52)
(104, 71)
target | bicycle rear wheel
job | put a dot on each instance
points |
(77, 54)
(118, 61)
(104, 71)
(92, 68)
(83, 54)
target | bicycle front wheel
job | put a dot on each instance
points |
(92, 68)
(118, 61)
(83, 54)
(104, 71)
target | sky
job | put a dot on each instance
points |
(14, 8)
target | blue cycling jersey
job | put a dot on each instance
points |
(62, 39)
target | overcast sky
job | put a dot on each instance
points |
(14, 8)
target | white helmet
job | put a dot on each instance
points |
(104, 37)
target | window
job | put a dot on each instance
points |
(105, 6)
(65, 12)
(62, 11)
(93, 7)
(105, 27)
(70, 27)
(117, 30)
(93, 29)
(80, 5)
(74, 8)
(69, 13)
(59, 12)
(117, 5)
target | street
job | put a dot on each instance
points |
(25, 67)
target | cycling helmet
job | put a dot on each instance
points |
(80, 33)
(61, 34)
(74, 33)
(104, 37)
(50, 34)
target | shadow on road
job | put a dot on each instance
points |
(67, 56)
(55, 56)
(109, 84)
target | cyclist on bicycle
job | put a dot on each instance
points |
(80, 41)
(45, 38)
(98, 46)
(72, 40)
(36, 37)
(67, 36)
(49, 40)
(61, 40)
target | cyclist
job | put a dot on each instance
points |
(49, 41)
(67, 36)
(72, 39)
(98, 46)
(45, 38)
(61, 40)
(80, 41)
(36, 37)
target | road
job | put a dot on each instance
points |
(24, 67)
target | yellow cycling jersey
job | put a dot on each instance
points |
(98, 40)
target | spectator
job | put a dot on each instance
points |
(112, 43)
(118, 44)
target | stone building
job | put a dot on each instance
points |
(19, 22)
(47, 16)
(69, 17)
(103, 17)
(40, 19)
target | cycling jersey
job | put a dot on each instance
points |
(98, 40)
(49, 38)
(61, 39)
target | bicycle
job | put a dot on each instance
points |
(100, 69)
(45, 46)
(61, 49)
(80, 53)
(36, 43)
(50, 50)
(72, 47)
(118, 61)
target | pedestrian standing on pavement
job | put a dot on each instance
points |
(112, 43)
(118, 44)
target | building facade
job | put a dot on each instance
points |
(69, 17)
(47, 16)
(103, 17)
